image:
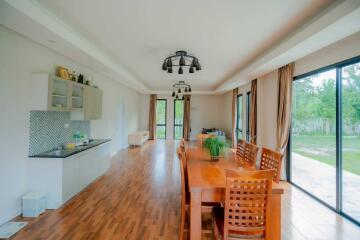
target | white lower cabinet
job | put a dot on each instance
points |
(63, 178)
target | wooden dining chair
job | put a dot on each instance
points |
(271, 160)
(251, 153)
(240, 149)
(246, 214)
(181, 148)
(185, 199)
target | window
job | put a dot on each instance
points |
(161, 118)
(178, 118)
(248, 102)
(325, 136)
(239, 120)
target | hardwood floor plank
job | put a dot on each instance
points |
(139, 198)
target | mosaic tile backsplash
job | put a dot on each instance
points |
(49, 129)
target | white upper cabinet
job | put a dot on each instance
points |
(51, 93)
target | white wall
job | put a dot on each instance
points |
(19, 57)
(206, 111)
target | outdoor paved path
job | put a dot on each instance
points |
(320, 179)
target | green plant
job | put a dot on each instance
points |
(215, 146)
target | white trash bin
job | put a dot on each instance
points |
(33, 204)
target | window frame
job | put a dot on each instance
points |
(162, 125)
(178, 125)
(238, 129)
(339, 160)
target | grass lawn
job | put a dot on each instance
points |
(323, 149)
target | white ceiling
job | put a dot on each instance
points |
(224, 35)
(235, 40)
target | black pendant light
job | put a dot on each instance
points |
(180, 88)
(183, 97)
(181, 59)
(169, 70)
(169, 62)
(193, 63)
(164, 66)
(198, 67)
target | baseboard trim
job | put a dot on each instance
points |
(10, 216)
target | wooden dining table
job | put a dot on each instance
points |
(207, 182)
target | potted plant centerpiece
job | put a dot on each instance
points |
(215, 147)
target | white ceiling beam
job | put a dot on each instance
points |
(338, 21)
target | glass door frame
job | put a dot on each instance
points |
(339, 160)
(248, 107)
(178, 125)
(162, 125)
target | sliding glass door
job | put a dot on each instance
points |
(351, 140)
(325, 136)
(313, 135)
(178, 118)
(161, 118)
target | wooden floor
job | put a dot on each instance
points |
(139, 198)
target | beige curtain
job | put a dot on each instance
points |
(152, 117)
(233, 117)
(253, 112)
(186, 121)
(285, 79)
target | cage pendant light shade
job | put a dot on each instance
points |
(189, 89)
(183, 97)
(186, 90)
(170, 70)
(179, 90)
(180, 70)
(177, 96)
(191, 70)
(173, 94)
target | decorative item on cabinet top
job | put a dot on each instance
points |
(51, 93)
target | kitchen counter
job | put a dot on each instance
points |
(63, 176)
(67, 152)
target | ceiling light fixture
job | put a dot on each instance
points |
(178, 87)
(181, 59)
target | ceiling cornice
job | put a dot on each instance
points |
(16, 14)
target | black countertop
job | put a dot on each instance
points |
(66, 153)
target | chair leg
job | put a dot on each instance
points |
(182, 224)
(216, 231)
